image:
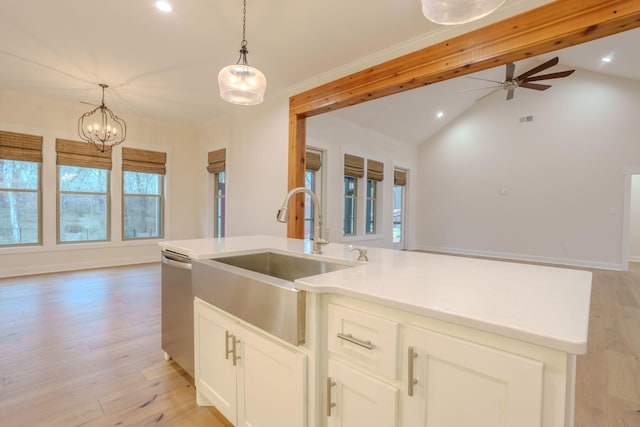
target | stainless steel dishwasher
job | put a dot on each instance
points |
(177, 310)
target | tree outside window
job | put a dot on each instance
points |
(83, 205)
(19, 202)
(142, 205)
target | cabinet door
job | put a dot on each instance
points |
(272, 384)
(360, 400)
(460, 383)
(215, 373)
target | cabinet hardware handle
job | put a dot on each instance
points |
(227, 335)
(330, 404)
(348, 337)
(234, 349)
(412, 354)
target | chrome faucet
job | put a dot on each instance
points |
(318, 241)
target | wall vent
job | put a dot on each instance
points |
(525, 119)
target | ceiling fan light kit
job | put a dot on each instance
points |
(454, 12)
(101, 127)
(240, 83)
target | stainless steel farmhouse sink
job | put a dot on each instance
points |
(257, 287)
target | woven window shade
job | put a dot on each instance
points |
(217, 161)
(353, 166)
(82, 154)
(375, 170)
(20, 146)
(313, 161)
(399, 177)
(145, 161)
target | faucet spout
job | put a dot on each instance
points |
(318, 241)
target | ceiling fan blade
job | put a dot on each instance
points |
(510, 94)
(541, 67)
(484, 80)
(534, 86)
(549, 76)
(511, 68)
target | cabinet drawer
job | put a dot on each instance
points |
(370, 341)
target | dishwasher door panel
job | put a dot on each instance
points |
(177, 311)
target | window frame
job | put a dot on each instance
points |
(38, 191)
(161, 198)
(107, 193)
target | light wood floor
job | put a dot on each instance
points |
(83, 349)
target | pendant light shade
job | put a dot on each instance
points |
(240, 83)
(452, 12)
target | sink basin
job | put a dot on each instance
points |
(283, 266)
(258, 288)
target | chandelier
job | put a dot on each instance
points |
(452, 12)
(240, 83)
(100, 127)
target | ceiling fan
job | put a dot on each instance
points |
(510, 83)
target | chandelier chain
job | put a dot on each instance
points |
(244, 24)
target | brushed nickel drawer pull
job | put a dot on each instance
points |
(411, 381)
(330, 404)
(227, 335)
(348, 337)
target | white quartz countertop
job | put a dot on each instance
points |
(548, 306)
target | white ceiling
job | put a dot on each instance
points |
(165, 66)
(411, 116)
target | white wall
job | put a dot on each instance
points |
(338, 137)
(23, 113)
(256, 139)
(562, 174)
(634, 241)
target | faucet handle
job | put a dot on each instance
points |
(362, 253)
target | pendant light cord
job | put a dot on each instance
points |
(243, 44)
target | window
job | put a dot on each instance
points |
(350, 203)
(353, 169)
(217, 166)
(218, 203)
(19, 202)
(375, 174)
(83, 192)
(142, 205)
(370, 217)
(312, 181)
(20, 189)
(399, 183)
(83, 205)
(142, 193)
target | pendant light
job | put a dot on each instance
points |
(240, 83)
(452, 12)
(100, 127)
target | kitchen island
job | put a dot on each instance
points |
(404, 339)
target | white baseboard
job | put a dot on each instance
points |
(71, 266)
(526, 258)
(634, 259)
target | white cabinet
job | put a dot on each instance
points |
(453, 382)
(355, 399)
(361, 392)
(254, 381)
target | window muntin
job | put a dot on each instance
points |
(219, 185)
(20, 206)
(350, 202)
(370, 215)
(83, 204)
(142, 205)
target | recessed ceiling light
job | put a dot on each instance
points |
(606, 59)
(439, 114)
(163, 6)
